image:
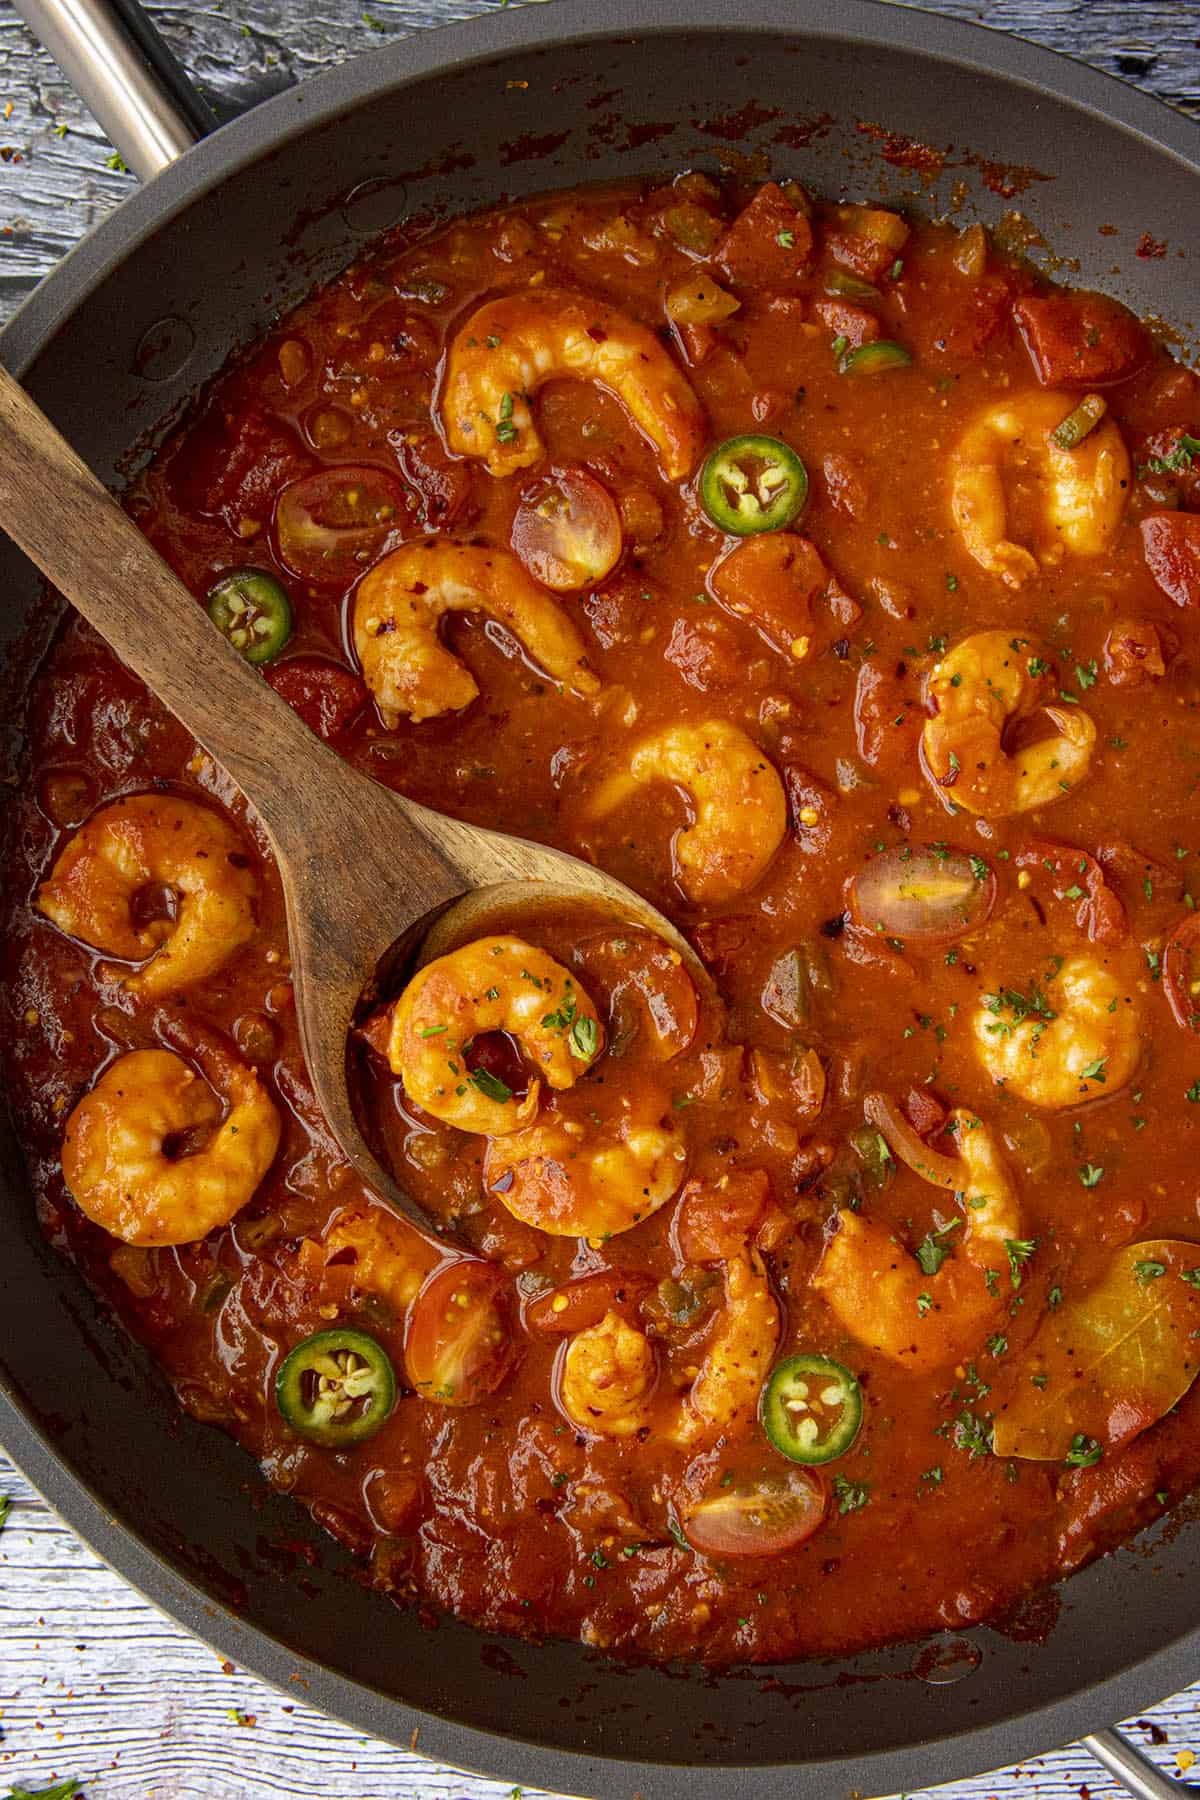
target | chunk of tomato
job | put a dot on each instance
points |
(1080, 340)
(715, 1220)
(760, 1515)
(773, 582)
(1171, 545)
(768, 243)
(458, 1346)
(567, 530)
(325, 695)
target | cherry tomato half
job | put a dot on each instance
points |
(567, 530)
(458, 1346)
(330, 525)
(759, 1516)
(927, 894)
(1181, 972)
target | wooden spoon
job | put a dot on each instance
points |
(360, 865)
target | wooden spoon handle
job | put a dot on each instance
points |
(67, 523)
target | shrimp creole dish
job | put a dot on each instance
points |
(833, 578)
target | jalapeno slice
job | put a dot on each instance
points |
(874, 359)
(753, 483)
(336, 1388)
(1077, 424)
(251, 608)
(811, 1408)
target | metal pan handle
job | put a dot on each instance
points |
(1133, 1770)
(125, 75)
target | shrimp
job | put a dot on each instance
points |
(738, 806)
(878, 1290)
(147, 839)
(608, 1375)
(575, 1180)
(490, 984)
(1082, 490)
(1078, 1040)
(117, 1152)
(979, 691)
(396, 612)
(510, 346)
(378, 1252)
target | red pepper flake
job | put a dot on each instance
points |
(1151, 248)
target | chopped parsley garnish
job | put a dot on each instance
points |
(850, 1495)
(1019, 1252)
(1032, 1005)
(1084, 1453)
(786, 240)
(972, 1434)
(1175, 460)
(1090, 1175)
(584, 1036)
(1095, 1071)
(676, 1531)
(931, 1252)
(506, 430)
(1148, 1271)
(489, 1085)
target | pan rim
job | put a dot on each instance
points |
(236, 146)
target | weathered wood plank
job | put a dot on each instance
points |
(94, 1681)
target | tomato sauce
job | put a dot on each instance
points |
(893, 927)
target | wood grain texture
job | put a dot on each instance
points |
(94, 1681)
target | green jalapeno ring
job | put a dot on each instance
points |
(875, 358)
(811, 1408)
(251, 608)
(336, 1387)
(753, 483)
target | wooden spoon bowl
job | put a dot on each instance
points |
(362, 867)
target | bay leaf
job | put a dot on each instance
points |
(1108, 1363)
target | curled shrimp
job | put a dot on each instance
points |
(399, 603)
(116, 1155)
(490, 984)
(147, 839)
(738, 806)
(584, 1180)
(1077, 1039)
(509, 347)
(875, 1286)
(378, 1252)
(608, 1374)
(1081, 491)
(981, 690)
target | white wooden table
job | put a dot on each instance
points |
(94, 1681)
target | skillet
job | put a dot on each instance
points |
(113, 345)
